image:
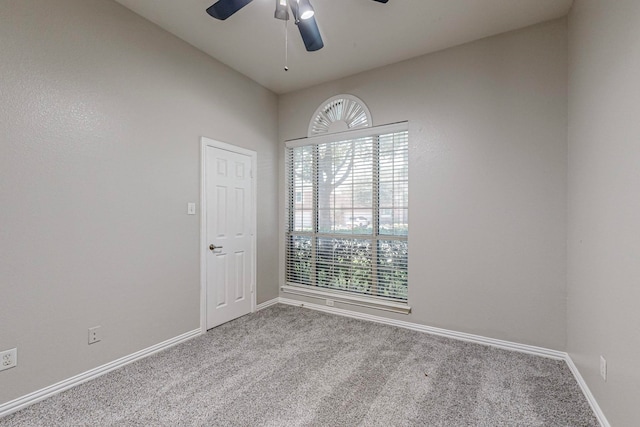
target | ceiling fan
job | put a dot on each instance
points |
(302, 14)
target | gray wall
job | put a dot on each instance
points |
(604, 202)
(488, 123)
(101, 114)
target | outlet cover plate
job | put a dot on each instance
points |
(95, 334)
(8, 359)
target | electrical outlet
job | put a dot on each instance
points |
(330, 302)
(603, 368)
(95, 334)
(8, 359)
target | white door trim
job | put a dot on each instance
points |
(204, 143)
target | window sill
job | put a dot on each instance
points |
(345, 298)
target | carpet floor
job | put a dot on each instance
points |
(289, 366)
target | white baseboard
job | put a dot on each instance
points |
(41, 394)
(31, 398)
(524, 348)
(508, 345)
(267, 304)
(587, 393)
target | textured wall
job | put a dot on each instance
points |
(604, 202)
(101, 114)
(487, 191)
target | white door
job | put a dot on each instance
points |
(229, 241)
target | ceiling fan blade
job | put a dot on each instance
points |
(222, 9)
(381, 1)
(309, 30)
(310, 34)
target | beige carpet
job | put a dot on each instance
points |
(289, 366)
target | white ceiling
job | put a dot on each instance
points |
(358, 34)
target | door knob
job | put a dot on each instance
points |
(214, 247)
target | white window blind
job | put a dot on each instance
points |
(347, 214)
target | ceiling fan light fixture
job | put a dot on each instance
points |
(303, 16)
(282, 11)
(305, 10)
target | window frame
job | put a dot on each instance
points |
(371, 301)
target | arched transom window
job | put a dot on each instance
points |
(338, 114)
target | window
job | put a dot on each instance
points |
(347, 231)
(339, 113)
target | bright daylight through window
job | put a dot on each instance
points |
(348, 213)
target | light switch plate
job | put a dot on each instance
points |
(191, 208)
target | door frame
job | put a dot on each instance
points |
(204, 143)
